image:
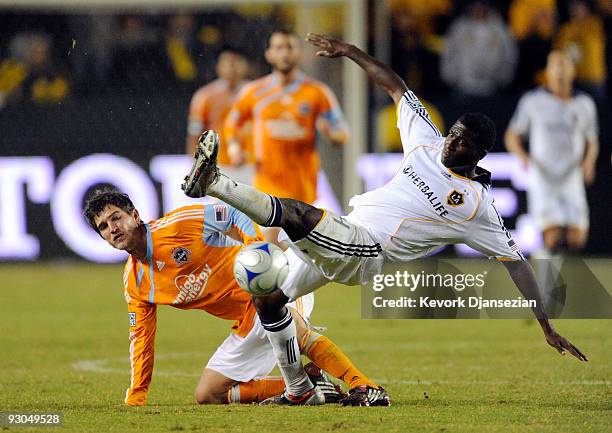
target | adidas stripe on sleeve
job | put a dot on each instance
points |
(415, 125)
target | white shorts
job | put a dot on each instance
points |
(247, 358)
(335, 250)
(560, 204)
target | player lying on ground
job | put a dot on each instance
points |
(438, 197)
(185, 260)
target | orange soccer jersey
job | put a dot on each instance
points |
(189, 265)
(284, 120)
(208, 109)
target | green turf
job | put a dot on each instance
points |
(443, 375)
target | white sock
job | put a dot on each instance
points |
(259, 206)
(283, 337)
(233, 395)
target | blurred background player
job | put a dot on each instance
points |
(562, 131)
(185, 259)
(287, 108)
(211, 104)
(480, 54)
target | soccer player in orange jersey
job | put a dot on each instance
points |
(211, 104)
(287, 108)
(185, 260)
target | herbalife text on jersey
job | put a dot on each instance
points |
(426, 190)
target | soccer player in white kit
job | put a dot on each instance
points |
(563, 145)
(438, 197)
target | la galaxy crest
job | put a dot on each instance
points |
(181, 255)
(455, 198)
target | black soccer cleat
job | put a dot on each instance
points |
(204, 170)
(332, 392)
(364, 395)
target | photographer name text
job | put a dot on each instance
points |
(476, 302)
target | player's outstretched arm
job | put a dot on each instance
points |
(377, 71)
(143, 326)
(522, 275)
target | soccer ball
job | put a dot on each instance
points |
(260, 268)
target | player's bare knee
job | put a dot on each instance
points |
(553, 245)
(211, 399)
(209, 396)
(576, 239)
(271, 308)
(553, 239)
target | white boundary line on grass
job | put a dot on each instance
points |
(493, 382)
(102, 366)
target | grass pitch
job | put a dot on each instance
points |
(64, 347)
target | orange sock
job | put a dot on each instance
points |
(327, 356)
(255, 390)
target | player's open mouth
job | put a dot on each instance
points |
(118, 237)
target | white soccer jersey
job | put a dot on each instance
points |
(557, 130)
(426, 206)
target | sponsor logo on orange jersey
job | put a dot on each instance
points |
(191, 286)
(285, 128)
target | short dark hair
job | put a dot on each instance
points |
(100, 198)
(232, 50)
(281, 31)
(482, 127)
